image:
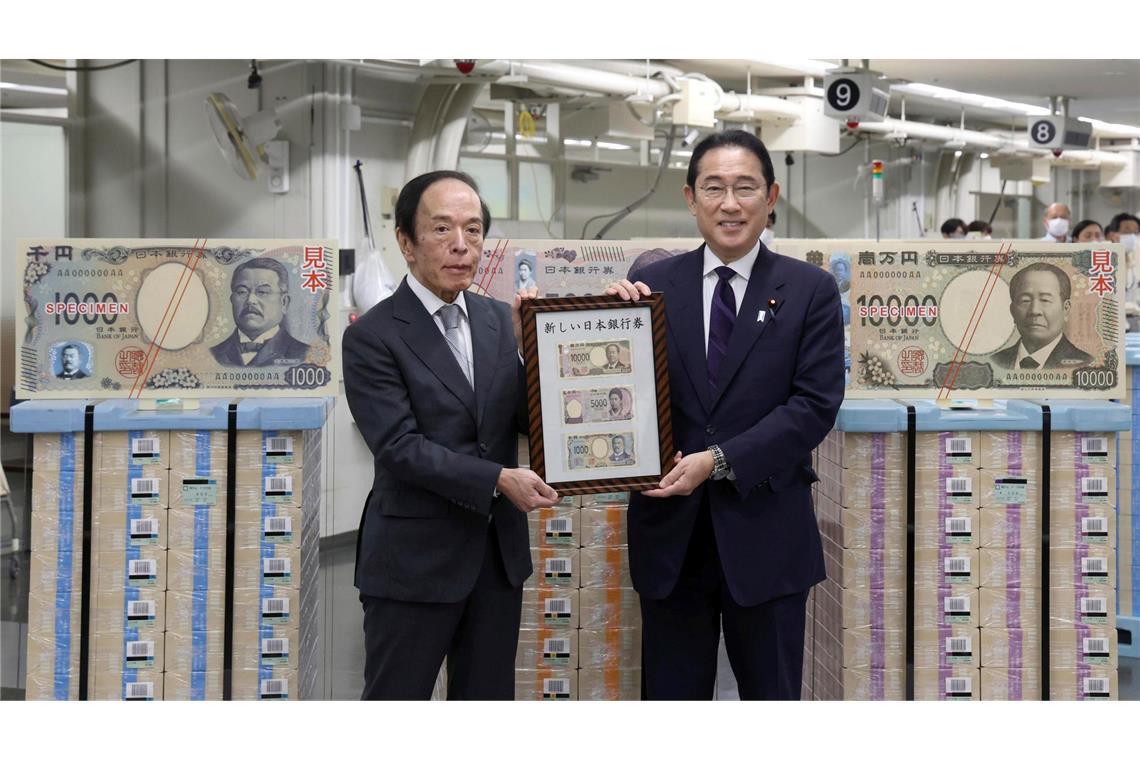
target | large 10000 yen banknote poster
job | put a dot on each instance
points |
(988, 320)
(178, 318)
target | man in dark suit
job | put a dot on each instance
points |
(259, 296)
(1039, 303)
(434, 381)
(756, 379)
(69, 364)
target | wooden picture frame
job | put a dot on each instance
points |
(613, 349)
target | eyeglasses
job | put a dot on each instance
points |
(241, 291)
(740, 192)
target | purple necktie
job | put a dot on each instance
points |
(721, 319)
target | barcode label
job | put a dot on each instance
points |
(147, 447)
(277, 566)
(1095, 687)
(958, 446)
(1094, 526)
(1094, 566)
(1096, 647)
(274, 688)
(558, 566)
(559, 607)
(1094, 446)
(279, 485)
(958, 645)
(142, 568)
(279, 445)
(142, 488)
(959, 486)
(957, 565)
(957, 604)
(140, 650)
(1094, 486)
(275, 607)
(559, 525)
(141, 610)
(556, 649)
(147, 527)
(959, 687)
(277, 526)
(274, 647)
(1094, 605)
(556, 688)
(958, 525)
(143, 690)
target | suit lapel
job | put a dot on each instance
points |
(269, 350)
(763, 284)
(685, 313)
(427, 342)
(485, 342)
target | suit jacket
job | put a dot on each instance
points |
(438, 448)
(1065, 354)
(281, 346)
(78, 375)
(780, 389)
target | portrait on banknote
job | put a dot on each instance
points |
(598, 392)
(106, 318)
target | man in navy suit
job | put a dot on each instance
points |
(756, 379)
(436, 386)
(259, 296)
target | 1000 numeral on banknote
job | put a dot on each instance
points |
(988, 322)
(172, 318)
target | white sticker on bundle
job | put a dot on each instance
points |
(556, 610)
(556, 688)
(960, 490)
(145, 450)
(556, 650)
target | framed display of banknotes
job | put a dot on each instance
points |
(597, 392)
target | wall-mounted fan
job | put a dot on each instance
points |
(246, 142)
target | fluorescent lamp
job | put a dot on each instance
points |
(33, 89)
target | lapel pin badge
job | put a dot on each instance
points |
(760, 316)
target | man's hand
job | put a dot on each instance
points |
(526, 490)
(524, 294)
(629, 291)
(687, 473)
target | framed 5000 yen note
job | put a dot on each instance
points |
(597, 392)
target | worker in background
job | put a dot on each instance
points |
(954, 229)
(979, 230)
(1056, 222)
(1124, 228)
(768, 236)
(1088, 231)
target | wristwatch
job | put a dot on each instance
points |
(720, 464)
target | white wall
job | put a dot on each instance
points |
(33, 203)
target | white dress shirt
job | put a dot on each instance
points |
(248, 356)
(433, 303)
(739, 283)
(1040, 356)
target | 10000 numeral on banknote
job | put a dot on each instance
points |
(600, 450)
(173, 318)
(1031, 321)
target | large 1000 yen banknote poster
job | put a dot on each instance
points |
(178, 318)
(1023, 319)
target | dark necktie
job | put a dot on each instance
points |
(1029, 363)
(722, 317)
(247, 348)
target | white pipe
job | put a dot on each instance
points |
(421, 142)
(450, 134)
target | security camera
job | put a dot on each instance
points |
(690, 138)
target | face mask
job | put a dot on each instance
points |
(1128, 241)
(767, 237)
(1058, 227)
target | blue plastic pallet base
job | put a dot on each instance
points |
(1128, 636)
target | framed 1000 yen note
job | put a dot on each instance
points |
(597, 385)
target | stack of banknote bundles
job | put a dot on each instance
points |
(56, 565)
(1128, 505)
(858, 613)
(129, 569)
(1082, 566)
